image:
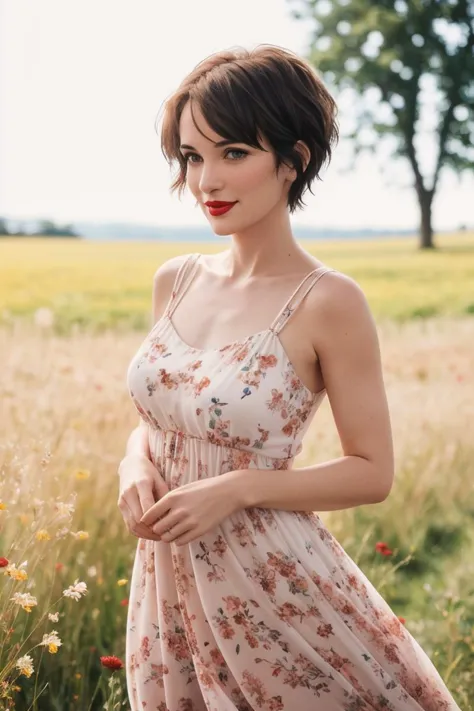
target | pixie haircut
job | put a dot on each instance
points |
(267, 92)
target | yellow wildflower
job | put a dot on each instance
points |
(42, 535)
(24, 518)
(2, 506)
(26, 600)
(52, 640)
(83, 474)
(122, 581)
(25, 665)
(78, 675)
(80, 535)
(15, 573)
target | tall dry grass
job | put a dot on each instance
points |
(66, 415)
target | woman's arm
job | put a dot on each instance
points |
(346, 341)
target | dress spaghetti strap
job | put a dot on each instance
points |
(298, 297)
(182, 282)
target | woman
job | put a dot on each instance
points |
(241, 599)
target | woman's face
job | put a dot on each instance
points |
(234, 172)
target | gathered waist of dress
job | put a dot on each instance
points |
(174, 444)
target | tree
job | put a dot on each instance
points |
(395, 48)
(3, 227)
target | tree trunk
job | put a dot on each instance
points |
(426, 229)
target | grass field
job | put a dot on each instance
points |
(66, 416)
(101, 285)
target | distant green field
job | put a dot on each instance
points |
(102, 285)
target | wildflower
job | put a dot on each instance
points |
(80, 535)
(3, 562)
(92, 571)
(113, 663)
(383, 548)
(122, 582)
(53, 616)
(42, 535)
(78, 675)
(62, 532)
(63, 509)
(24, 518)
(52, 640)
(95, 613)
(124, 602)
(16, 573)
(83, 474)
(2, 506)
(59, 566)
(76, 591)
(26, 600)
(25, 665)
(402, 620)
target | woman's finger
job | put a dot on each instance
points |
(132, 500)
(175, 531)
(166, 522)
(140, 530)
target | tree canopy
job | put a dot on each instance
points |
(397, 49)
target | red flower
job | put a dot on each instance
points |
(383, 548)
(402, 620)
(59, 566)
(3, 562)
(113, 663)
(124, 602)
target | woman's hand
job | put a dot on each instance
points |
(190, 511)
(140, 486)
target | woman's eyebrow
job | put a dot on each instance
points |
(225, 142)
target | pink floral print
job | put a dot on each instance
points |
(267, 612)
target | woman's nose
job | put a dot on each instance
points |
(210, 179)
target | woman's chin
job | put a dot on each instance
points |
(221, 229)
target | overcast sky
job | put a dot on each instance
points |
(81, 84)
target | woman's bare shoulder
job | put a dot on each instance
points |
(163, 282)
(339, 306)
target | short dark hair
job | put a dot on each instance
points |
(268, 91)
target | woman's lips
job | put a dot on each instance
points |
(217, 209)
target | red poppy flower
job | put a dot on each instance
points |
(402, 620)
(383, 548)
(124, 602)
(113, 663)
(3, 562)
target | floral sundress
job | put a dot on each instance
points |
(267, 611)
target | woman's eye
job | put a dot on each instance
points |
(238, 155)
(237, 150)
(190, 155)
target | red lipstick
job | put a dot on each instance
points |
(219, 207)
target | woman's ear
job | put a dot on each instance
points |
(305, 153)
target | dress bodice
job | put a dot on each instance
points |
(245, 395)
